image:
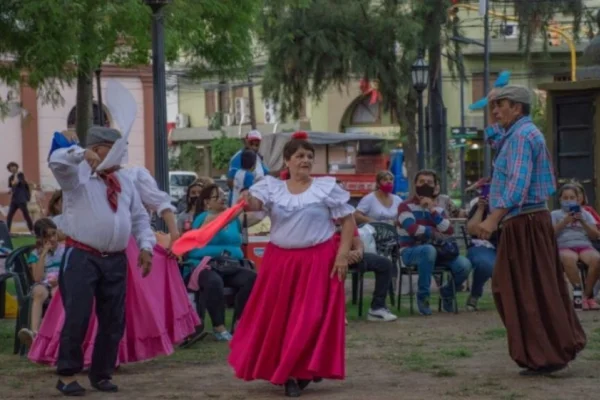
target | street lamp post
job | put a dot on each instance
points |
(420, 77)
(161, 162)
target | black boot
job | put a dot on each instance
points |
(292, 389)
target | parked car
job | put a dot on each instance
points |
(179, 181)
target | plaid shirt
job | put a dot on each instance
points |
(523, 172)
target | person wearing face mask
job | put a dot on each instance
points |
(186, 217)
(380, 205)
(544, 333)
(575, 228)
(420, 221)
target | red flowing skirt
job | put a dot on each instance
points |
(293, 325)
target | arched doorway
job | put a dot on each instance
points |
(95, 116)
(364, 116)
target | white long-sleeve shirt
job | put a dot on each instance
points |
(151, 196)
(87, 216)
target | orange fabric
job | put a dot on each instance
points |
(202, 236)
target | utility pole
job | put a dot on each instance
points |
(251, 105)
(486, 82)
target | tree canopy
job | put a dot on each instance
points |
(320, 44)
(57, 42)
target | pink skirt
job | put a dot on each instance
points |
(158, 314)
(293, 325)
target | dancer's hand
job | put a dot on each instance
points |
(486, 228)
(92, 159)
(340, 267)
(145, 262)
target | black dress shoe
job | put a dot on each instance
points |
(292, 389)
(105, 386)
(543, 371)
(303, 383)
(71, 389)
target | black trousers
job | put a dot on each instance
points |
(212, 286)
(12, 210)
(83, 277)
(383, 269)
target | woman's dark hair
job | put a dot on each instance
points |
(42, 226)
(248, 159)
(12, 164)
(188, 202)
(205, 194)
(568, 186)
(53, 210)
(294, 145)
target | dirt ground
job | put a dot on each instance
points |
(445, 356)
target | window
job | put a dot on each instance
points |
(564, 77)
(209, 103)
(478, 86)
(366, 113)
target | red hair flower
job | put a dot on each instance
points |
(300, 135)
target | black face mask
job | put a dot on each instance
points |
(193, 200)
(425, 191)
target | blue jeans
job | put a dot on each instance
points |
(423, 257)
(483, 259)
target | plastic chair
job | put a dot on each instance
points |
(439, 272)
(18, 270)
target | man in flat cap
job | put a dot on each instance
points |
(544, 334)
(101, 210)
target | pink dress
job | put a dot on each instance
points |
(293, 325)
(158, 313)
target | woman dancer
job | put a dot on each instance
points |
(292, 331)
(158, 311)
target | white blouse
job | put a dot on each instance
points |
(372, 208)
(152, 197)
(306, 219)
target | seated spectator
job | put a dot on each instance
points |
(482, 253)
(44, 263)
(420, 221)
(186, 217)
(219, 264)
(382, 267)
(445, 201)
(575, 229)
(380, 205)
(582, 200)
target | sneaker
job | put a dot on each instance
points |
(381, 314)
(590, 304)
(26, 336)
(472, 303)
(448, 304)
(423, 305)
(223, 336)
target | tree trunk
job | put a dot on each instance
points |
(408, 118)
(83, 106)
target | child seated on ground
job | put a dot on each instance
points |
(575, 229)
(44, 263)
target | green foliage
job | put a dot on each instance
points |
(188, 159)
(538, 110)
(222, 149)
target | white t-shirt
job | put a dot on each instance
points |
(302, 220)
(372, 208)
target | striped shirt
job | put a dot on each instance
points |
(523, 173)
(416, 225)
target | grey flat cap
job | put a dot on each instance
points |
(518, 94)
(99, 134)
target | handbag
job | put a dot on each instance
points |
(447, 250)
(224, 265)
